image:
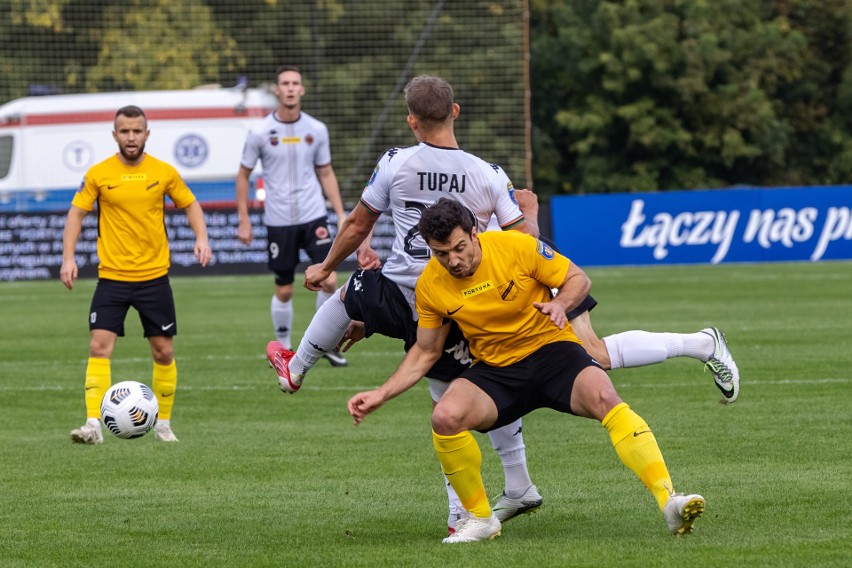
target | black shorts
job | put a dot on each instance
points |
(153, 300)
(284, 244)
(376, 300)
(543, 379)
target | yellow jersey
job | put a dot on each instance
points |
(494, 307)
(132, 241)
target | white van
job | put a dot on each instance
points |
(47, 143)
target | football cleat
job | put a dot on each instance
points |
(474, 529)
(279, 357)
(88, 433)
(721, 364)
(507, 508)
(335, 358)
(163, 432)
(681, 512)
(453, 520)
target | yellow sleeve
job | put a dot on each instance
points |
(88, 193)
(178, 191)
(546, 265)
(428, 316)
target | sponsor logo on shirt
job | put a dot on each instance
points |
(478, 288)
(291, 140)
(511, 189)
(134, 177)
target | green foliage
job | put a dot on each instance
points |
(260, 478)
(634, 95)
(160, 44)
(660, 94)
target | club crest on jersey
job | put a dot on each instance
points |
(309, 139)
(544, 250)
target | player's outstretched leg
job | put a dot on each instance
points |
(637, 348)
(333, 356)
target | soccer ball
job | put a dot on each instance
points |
(129, 409)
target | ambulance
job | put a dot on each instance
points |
(48, 143)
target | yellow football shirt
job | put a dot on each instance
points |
(494, 307)
(132, 241)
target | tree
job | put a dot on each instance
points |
(160, 44)
(677, 94)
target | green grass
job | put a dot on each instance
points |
(264, 479)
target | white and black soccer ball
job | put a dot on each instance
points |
(129, 409)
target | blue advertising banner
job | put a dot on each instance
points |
(689, 227)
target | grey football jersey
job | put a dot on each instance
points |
(289, 152)
(407, 180)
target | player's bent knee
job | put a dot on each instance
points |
(593, 394)
(446, 421)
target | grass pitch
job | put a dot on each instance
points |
(260, 478)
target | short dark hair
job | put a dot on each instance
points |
(284, 68)
(440, 219)
(429, 98)
(131, 111)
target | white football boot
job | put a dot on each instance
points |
(474, 529)
(508, 508)
(163, 432)
(682, 510)
(721, 364)
(88, 433)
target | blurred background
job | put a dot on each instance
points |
(579, 96)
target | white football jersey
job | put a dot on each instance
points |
(407, 180)
(289, 152)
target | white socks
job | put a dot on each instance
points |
(322, 296)
(323, 334)
(637, 348)
(282, 320)
(282, 316)
(509, 443)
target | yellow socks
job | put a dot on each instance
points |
(461, 461)
(164, 385)
(636, 446)
(98, 381)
